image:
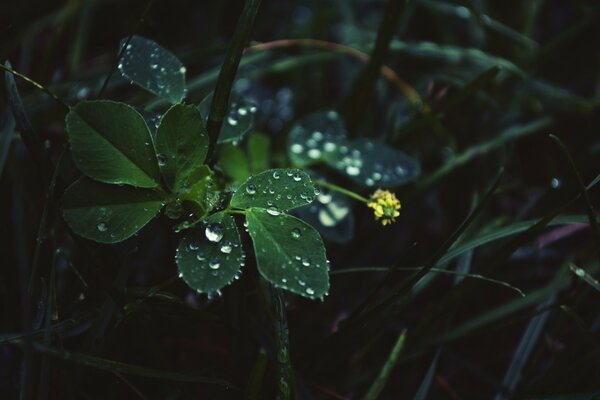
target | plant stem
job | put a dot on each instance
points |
(361, 94)
(386, 370)
(220, 101)
(284, 366)
(341, 190)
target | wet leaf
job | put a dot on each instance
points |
(149, 65)
(238, 121)
(289, 253)
(277, 190)
(108, 213)
(210, 256)
(111, 143)
(181, 144)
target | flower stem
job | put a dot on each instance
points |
(341, 190)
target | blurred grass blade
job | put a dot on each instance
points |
(428, 379)
(457, 274)
(257, 375)
(7, 130)
(560, 281)
(285, 384)
(508, 135)
(220, 102)
(584, 276)
(588, 204)
(524, 349)
(131, 369)
(386, 371)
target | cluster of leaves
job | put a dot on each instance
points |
(131, 175)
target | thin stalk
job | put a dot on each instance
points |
(220, 101)
(362, 91)
(35, 84)
(386, 371)
(284, 367)
(341, 190)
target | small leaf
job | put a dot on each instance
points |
(194, 193)
(181, 144)
(233, 161)
(289, 253)
(371, 163)
(315, 136)
(277, 189)
(149, 65)
(110, 142)
(211, 256)
(108, 213)
(258, 152)
(238, 121)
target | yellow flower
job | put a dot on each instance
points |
(385, 205)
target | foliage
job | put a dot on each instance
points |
(174, 202)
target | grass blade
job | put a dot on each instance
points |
(386, 371)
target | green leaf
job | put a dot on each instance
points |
(149, 65)
(289, 253)
(239, 119)
(258, 152)
(108, 213)
(181, 144)
(110, 142)
(322, 137)
(371, 163)
(279, 189)
(211, 256)
(194, 193)
(233, 161)
(315, 136)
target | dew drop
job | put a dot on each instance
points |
(193, 246)
(102, 227)
(352, 170)
(214, 232)
(251, 189)
(310, 291)
(296, 233)
(200, 257)
(306, 261)
(214, 263)
(162, 159)
(226, 247)
(314, 153)
(182, 70)
(297, 176)
(232, 119)
(276, 175)
(272, 210)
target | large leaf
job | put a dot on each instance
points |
(239, 119)
(211, 256)
(110, 142)
(322, 137)
(315, 136)
(108, 213)
(278, 189)
(154, 68)
(181, 144)
(289, 253)
(371, 163)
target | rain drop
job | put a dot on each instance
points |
(297, 176)
(102, 227)
(226, 247)
(276, 175)
(214, 263)
(296, 233)
(272, 210)
(251, 189)
(162, 159)
(194, 246)
(214, 232)
(310, 291)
